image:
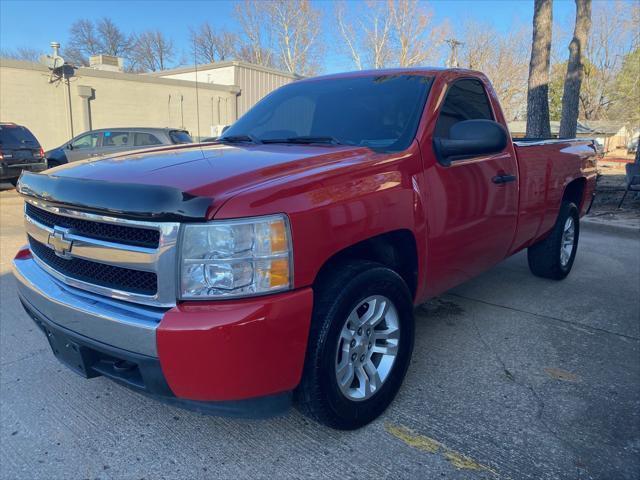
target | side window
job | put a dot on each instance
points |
(115, 139)
(466, 100)
(142, 139)
(86, 141)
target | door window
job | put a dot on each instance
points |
(142, 139)
(115, 139)
(466, 100)
(86, 141)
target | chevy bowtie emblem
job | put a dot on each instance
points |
(59, 242)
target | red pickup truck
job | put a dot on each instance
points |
(283, 262)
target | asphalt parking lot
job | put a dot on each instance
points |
(513, 377)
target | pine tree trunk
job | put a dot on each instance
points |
(538, 125)
(575, 70)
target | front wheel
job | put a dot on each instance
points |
(360, 345)
(553, 257)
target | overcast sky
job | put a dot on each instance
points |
(35, 24)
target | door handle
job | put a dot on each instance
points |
(500, 179)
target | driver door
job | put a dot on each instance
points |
(472, 219)
(83, 146)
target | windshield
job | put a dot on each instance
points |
(380, 112)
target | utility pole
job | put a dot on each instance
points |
(452, 61)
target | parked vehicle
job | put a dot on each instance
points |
(600, 149)
(19, 150)
(285, 260)
(632, 147)
(111, 141)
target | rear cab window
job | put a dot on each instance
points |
(180, 136)
(466, 100)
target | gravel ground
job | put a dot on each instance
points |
(513, 377)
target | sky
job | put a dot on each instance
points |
(35, 24)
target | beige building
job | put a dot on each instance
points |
(254, 81)
(95, 98)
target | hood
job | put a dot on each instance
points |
(214, 171)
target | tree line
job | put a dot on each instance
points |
(604, 53)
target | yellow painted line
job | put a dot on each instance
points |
(430, 445)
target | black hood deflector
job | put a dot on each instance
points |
(127, 200)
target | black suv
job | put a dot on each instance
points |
(19, 150)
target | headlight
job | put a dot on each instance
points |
(232, 258)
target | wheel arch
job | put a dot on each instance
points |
(574, 192)
(396, 250)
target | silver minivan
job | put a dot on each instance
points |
(107, 141)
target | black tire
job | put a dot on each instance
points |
(14, 182)
(337, 295)
(53, 163)
(545, 256)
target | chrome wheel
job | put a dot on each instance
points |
(367, 348)
(567, 242)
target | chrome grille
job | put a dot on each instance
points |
(143, 237)
(103, 254)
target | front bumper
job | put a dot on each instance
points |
(238, 357)
(8, 172)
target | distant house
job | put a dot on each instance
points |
(609, 133)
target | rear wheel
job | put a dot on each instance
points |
(360, 345)
(553, 257)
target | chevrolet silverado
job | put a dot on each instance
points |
(282, 263)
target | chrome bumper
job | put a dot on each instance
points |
(112, 322)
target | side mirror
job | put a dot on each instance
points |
(69, 146)
(224, 129)
(470, 138)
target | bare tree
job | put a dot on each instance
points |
(348, 35)
(282, 33)
(22, 53)
(503, 58)
(367, 36)
(614, 36)
(390, 33)
(152, 52)
(113, 40)
(416, 40)
(87, 38)
(255, 43)
(295, 26)
(211, 46)
(538, 123)
(575, 70)
(377, 36)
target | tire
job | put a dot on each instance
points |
(53, 163)
(353, 289)
(546, 257)
(14, 182)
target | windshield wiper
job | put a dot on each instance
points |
(248, 138)
(303, 140)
